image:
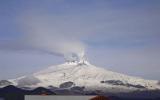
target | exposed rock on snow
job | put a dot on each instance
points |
(27, 81)
(67, 85)
(5, 83)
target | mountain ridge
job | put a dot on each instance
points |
(86, 75)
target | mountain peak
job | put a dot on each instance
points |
(76, 60)
(82, 73)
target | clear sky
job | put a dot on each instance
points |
(119, 35)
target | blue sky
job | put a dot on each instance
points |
(119, 35)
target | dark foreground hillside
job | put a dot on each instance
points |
(13, 93)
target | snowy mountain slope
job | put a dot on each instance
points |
(87, 75)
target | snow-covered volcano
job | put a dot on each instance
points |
(84, 74)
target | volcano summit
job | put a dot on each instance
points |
(83, 74)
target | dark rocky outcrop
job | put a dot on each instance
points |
(67, 85)
(5, 83)
(29, 80)
(118, 82)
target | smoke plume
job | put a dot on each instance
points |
(46, 34)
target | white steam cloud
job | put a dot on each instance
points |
(46, 34)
